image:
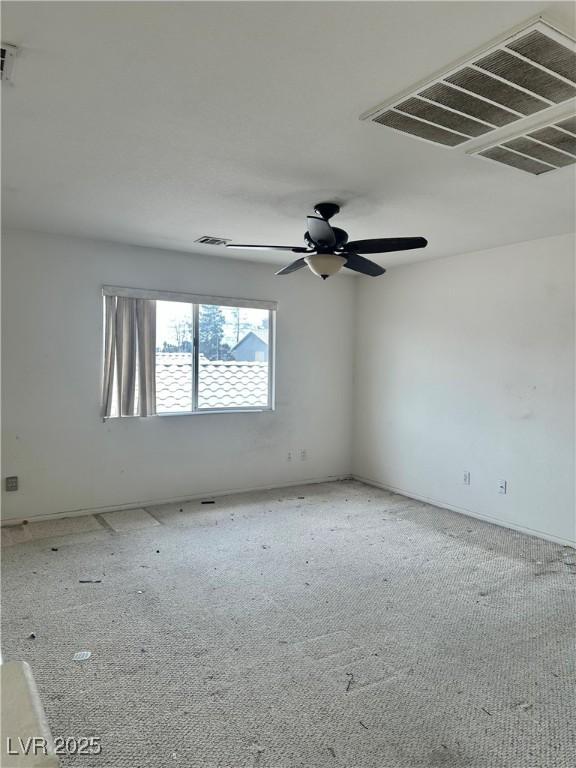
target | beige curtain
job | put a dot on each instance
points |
(109, 354)
(129, 357)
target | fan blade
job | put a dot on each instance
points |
(386, 244)
(293, 248)
(298, 264)
(321, 232)
(365, 266)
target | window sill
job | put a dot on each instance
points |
(208, 411)
(203, 412)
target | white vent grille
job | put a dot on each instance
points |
(539, 151)
(7, 55)
(523, 75)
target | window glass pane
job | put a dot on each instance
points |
(174, 337)
(233, 364)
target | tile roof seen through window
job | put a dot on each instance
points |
(221, 383)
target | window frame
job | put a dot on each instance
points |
(222, 301)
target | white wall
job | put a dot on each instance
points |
(467, 363)
(68, 459)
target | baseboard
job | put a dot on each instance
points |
(464, 511)
(172, 500)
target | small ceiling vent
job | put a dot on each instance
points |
(208, 240)
(522, 75)
(540, 151)
(7, 55)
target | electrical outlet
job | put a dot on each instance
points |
(303, 454)
(11, 483)
(502, 486)
(289, 456)
(466, 478)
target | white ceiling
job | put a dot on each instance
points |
(156, 123)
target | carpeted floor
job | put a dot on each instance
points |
(321, 626)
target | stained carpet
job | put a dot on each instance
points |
(321, 626)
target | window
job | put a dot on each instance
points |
(211, 357)
(209, 354)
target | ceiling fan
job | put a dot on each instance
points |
(328, 248)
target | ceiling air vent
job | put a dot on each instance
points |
(539, 151)
(524, 74)
(7, 55)
(207, 240)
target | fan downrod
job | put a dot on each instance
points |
(327, 210)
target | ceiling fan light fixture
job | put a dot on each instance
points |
(325, 264)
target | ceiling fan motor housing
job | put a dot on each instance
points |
(323, 247)
(341, 237)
